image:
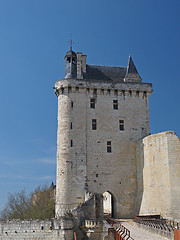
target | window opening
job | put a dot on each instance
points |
(115, 104)
(72, 104)
(94, 124)
(121, 125)
(109, 91)
(71, 125)
(109, 146)
(95, 91)
(69, 89)
(115, 92)
(102, 91)
(92, 103)
(71, 143)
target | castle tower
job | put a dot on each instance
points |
(102, 112)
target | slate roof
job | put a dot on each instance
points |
(105, 73)
(131, 67)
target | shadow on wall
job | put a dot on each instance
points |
(139, 172)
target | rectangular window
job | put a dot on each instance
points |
(71, 125)
(92, 103)
(109, 146)
(121, 125)
(94, 124)
(115, 92)
(115, 104)
(102, 91)
(69, 89)
(72, 104)
(71, 143)
(144, 94)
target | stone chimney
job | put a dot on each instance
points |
(81, 65)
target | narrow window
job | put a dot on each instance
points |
(109, 146)
(71, 143)
(94, 124)
(95, 91)
(71, 125)
(130, 93)
(109, 91)
(77, 89)
(115, 104)
(115, 92)
(137, 93)
(72, 104)
(123, 93)
(144, 94)
(69, 89)
(121, 125)
(92, 103)
(87, 90)
(62, 90)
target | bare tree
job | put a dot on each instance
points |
(40, 204)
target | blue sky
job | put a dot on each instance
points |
(34, 37)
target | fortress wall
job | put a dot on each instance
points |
(91, 167)
(158, 175)
(35, 229)
(71, 151)
(174, 171)
(115, 172)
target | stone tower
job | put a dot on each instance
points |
(102, 112)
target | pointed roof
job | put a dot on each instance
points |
(132, 73)
(131, 67)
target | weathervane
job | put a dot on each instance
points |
(70, 42)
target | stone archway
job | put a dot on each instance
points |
(108, 204)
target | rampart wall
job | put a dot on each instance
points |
(36, 229)
(158, 175)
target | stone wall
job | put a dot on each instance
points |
(158, 175)
(36, 229)
(83, 163)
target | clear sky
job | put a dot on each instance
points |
(34, 38)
